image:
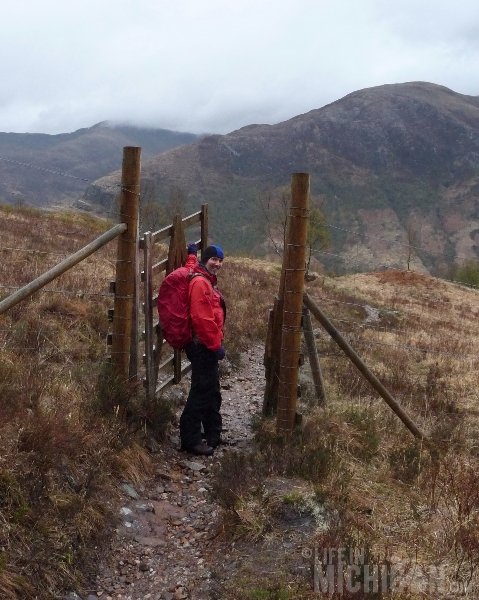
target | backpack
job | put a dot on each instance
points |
(173, 307)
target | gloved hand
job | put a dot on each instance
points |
(220, 353)
(192, 249)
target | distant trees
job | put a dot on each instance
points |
(468, 273)
(156, 212)
(274, 211)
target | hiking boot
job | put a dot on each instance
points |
(215, 443)
(200, 450)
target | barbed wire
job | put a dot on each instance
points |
(372, 325)
(33, 251)
(357, 261)
(119, 186)
(39, 168)
(369, 325)
(365, 306)
(125, 188)
(51, 253)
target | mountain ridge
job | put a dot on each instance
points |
(67, 161)
(387, 164)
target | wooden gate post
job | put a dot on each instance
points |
(126, 288)
(293, 303)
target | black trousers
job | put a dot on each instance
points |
(204, 400)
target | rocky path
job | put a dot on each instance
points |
(163, 547)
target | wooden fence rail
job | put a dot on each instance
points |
(62, 267)
(125, 316)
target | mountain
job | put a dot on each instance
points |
(42, 170)
(395, 168)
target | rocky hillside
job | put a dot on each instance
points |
(395, 168)
(42, 169)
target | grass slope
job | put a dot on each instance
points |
(64, 451)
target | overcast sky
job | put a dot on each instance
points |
(217, 65)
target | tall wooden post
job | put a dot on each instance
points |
(126, 288)
(294, 271)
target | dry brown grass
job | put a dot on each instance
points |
(248, 287)
(380, 486)
(61, 456)
(63, 447)
(426, 355)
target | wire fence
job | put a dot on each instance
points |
(410, 246)
(358, 262)
(63, 292)
(424, 351)
(115, 186)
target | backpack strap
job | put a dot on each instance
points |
(191, 276)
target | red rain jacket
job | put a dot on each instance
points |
(206, 307)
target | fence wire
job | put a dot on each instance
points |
(77, 294)
(392, 242)
(357, 262)
(117, 186)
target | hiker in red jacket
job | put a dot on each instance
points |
(207, 313)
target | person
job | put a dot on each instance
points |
(207, 314)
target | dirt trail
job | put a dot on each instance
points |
(164, 545)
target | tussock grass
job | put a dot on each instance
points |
(69, 430)
(63, 447)
(248, 287)
(381, 489)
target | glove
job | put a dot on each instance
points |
(220, 353)
(192, 249)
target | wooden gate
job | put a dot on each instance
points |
(162, 371)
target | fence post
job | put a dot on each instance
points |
(126, 288)
(313, 357)
(294, 271)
